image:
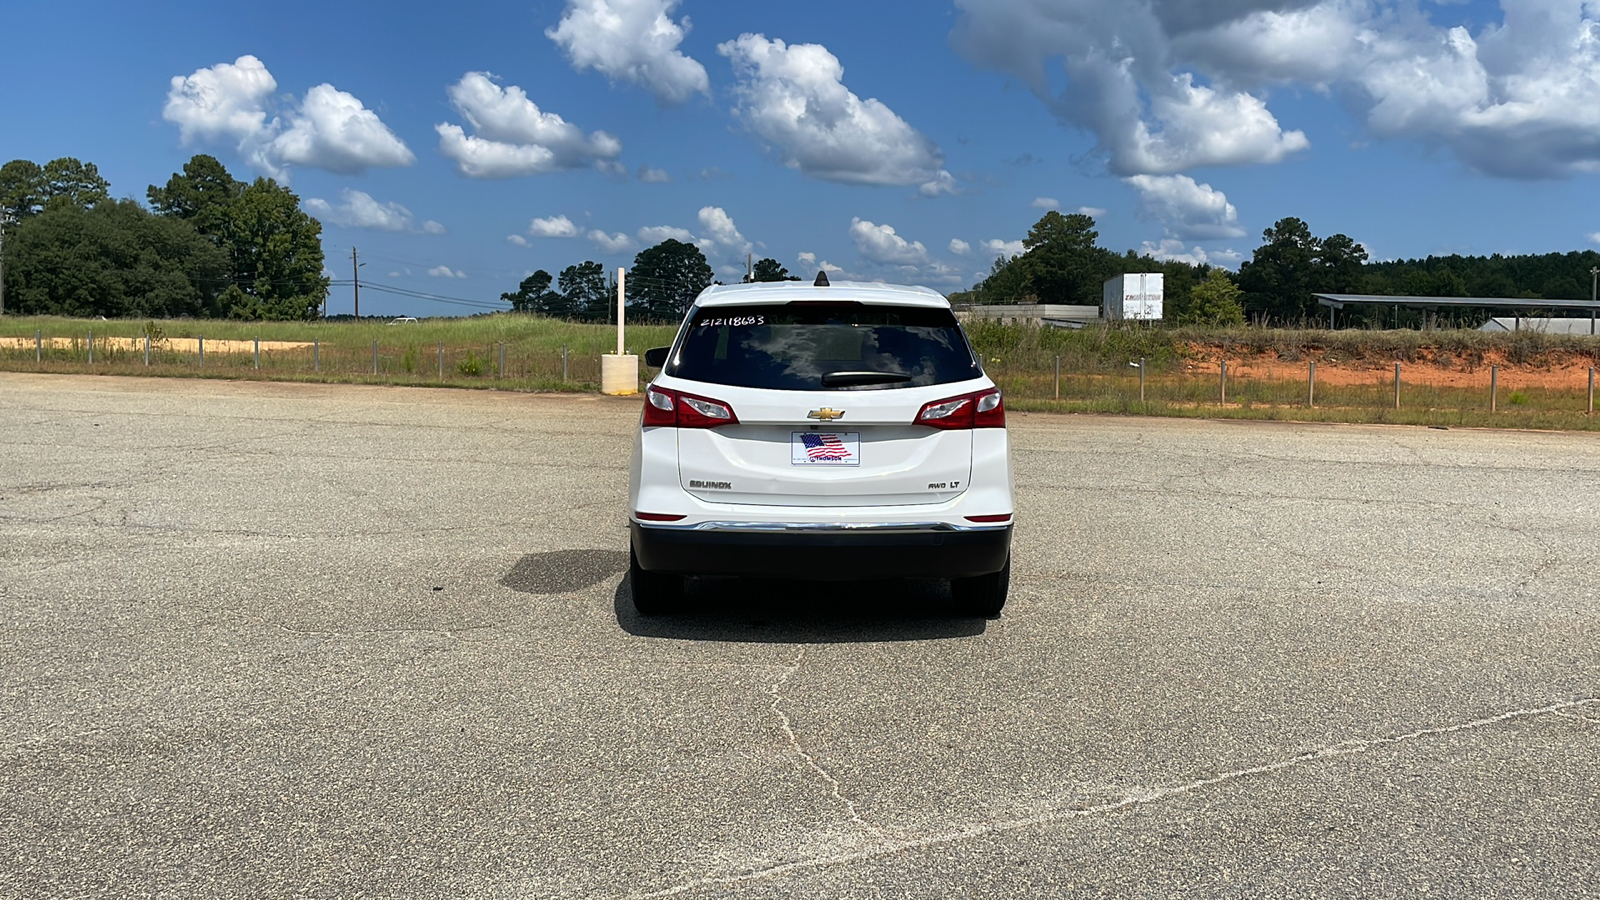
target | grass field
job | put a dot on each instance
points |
(1181, 378)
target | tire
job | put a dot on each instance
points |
(654, 593)
(982, 595)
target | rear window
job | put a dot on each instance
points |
(833, 346)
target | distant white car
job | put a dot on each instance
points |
(398, 319)
(820, 432)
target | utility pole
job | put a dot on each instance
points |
(5, 219)
(355, 272)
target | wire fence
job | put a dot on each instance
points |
(1401, 393)
(1381, 393)
(410, 363)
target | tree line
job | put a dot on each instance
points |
(208, 246)
(660, 285)
(1063, 263)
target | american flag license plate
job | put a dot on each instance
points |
(825, 448)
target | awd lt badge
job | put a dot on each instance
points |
(825, 414)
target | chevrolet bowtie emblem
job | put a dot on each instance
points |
(825, 414)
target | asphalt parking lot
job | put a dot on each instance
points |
(267, 640)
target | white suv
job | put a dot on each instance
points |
(820, 431)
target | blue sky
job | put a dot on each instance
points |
(903, 141)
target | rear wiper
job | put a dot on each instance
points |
(846, 379)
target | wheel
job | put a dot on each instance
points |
(654, 593)
(982, 595)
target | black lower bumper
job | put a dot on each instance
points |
(822, 556)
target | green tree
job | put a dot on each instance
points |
(585, 290)
(1278, 279)
(114, 260)
(666, 278)
(275, 250)
(21, 189)
(1007, 283)
(771, 270)
(534, 296)
(69, 182)
(1063, 264)
(1214, 301)
(1340, 261)
(201, 195)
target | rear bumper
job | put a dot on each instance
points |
(822, 554)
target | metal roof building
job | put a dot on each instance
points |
(1519, 305)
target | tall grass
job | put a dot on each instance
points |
(521, 352)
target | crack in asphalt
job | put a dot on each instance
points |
(834, 788)
(961, 833)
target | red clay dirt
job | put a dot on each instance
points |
(1568, 374)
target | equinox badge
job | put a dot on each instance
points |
(825, 414)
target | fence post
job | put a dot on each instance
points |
(1494, 386)
(258, 351)
(441, 360)
(1058, 377)
(1224, 382)
(502, 370)
(91, 348)
(1396, 385)
(38, 345)
(1141, 379)
(147, 349)
(1311, 387)
(1591, 390)
(374, 357)
(200, 341)
(564, 365)
(316, 354)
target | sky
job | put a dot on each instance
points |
(459, 148)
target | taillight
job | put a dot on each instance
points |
(675, 409)
(985, 409)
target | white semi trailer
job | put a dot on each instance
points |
(1132, 296)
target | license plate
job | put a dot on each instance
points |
(825, 448)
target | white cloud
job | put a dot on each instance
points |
(1045, 203)
(329, 129)
(941, 183)
(518, 240)
(1594, 237)
(513, 137)
(997, 247)
(446, 272)
(1147, 116)
(225, 101)
(880, 244)
(634, 41)
(793, 97)
(1187, 210)
(332, 130)
(960, 247)
(655, 234)
(1174, 250)
(808, 260)
(650, 175)
(611, 243)
(720, 230)
(553, 227)
(1518, 97)
(1093, 212)
(357, 209)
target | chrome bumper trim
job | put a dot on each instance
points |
(826, 527)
